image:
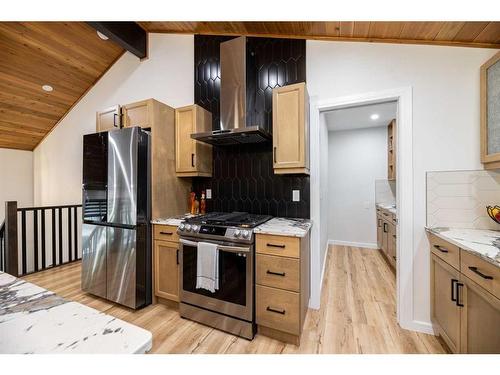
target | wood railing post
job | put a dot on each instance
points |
(11, 250)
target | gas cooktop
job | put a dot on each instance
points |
(235, 226)
(233, 219)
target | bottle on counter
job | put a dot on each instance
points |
(192, 198)
(196, 206)
(203, 203)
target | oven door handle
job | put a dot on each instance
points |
(231, 249)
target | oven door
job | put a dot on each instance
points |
(235, 294)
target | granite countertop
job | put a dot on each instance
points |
(285, 227)
(175, 221)
(388, 207)
(35, 320)
(481, 242)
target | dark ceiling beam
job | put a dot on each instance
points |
(128, 35)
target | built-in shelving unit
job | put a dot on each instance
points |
(391, 150)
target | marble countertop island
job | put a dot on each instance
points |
(35, 320)
(281, 226)
(481, 242)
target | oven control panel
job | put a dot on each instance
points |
(213, 231)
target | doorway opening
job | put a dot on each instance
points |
(404, 195)
(361, 177)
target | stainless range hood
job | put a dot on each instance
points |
(233, 128)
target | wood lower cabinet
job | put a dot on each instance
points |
(291, 129)
(445, 312)
(387, 235)
(108, 119)
(282, 286)
(167, 270)
(465, 308)
(192, 158)
(480, 319)
(166, 263)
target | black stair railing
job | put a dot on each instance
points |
(49, 237)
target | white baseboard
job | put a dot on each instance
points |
(418, 326)
(366, 245)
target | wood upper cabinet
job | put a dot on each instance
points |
(490, 112)
(291, 129)
(108, 119)
(138, 114)
(445, 311)
(391, 150)
(480, 319)
(192, 158)
(166, 263)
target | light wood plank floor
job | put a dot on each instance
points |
(357, 314)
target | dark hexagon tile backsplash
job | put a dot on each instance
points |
(243, 177)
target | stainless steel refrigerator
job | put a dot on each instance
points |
(116, 240)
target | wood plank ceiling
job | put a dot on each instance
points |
(470, 34)
(69, 56)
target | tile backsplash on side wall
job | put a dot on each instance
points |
(458, 199)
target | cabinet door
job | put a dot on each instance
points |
(392, 244)
(385, 236)
(108, 119)
(138, 114)
(445, 312)
(289, 127)
(379, 231)
(480, 319)
(185, 146)
(167, 270)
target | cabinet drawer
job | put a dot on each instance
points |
(445, 250)
(278, 309)
(483, 273)
(278, 245)
(278, 272)
(165, 232)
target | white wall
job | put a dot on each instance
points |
(323, 224)
(166, 76)
(356, 158)
(445, 83)
(16, 178)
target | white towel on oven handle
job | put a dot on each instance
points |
(207, 267)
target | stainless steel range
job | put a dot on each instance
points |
(231, 306)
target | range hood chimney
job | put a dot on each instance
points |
(233, 100)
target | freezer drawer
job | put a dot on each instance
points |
(122, 266)
(94, 259)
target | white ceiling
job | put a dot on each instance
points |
(359, 117)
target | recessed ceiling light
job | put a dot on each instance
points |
(47, 88)
(102, 36)
(374, 116)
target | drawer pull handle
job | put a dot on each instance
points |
(440, 248)
(453, 296)
(475, 270)
(274, 245)
(276, 273)
(457, 302)
(167, 233)
(277, 311)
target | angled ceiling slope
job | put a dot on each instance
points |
(469, 34)
(69, 56)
